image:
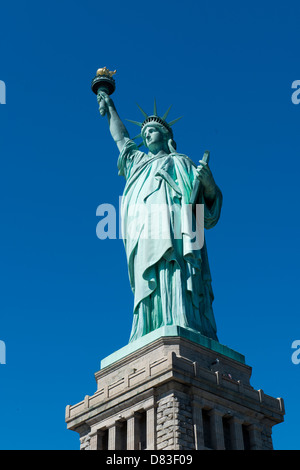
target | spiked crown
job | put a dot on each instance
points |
(155, 119)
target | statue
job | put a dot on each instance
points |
(170, 280)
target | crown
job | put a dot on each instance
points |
(155, 119)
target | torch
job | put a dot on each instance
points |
(103, 81)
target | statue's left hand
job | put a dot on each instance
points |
(205, 176)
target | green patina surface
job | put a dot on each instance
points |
(172, 331)
(167, 259)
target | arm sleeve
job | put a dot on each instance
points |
(128, 156)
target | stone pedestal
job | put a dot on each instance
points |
(172, 393)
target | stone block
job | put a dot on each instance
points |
(176, 394)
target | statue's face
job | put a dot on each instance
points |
(152, 135)
(154, 138)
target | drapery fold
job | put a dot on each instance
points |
(168, 271)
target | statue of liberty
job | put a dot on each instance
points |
(169, 277)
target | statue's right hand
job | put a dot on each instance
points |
(104, 101)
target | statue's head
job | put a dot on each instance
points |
(156, 136)
(156, 132)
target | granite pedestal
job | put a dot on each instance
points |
(175, 391)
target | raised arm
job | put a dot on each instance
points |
(117, 129)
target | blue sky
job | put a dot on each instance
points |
(65, 301)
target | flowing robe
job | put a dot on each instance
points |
(169, 274)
